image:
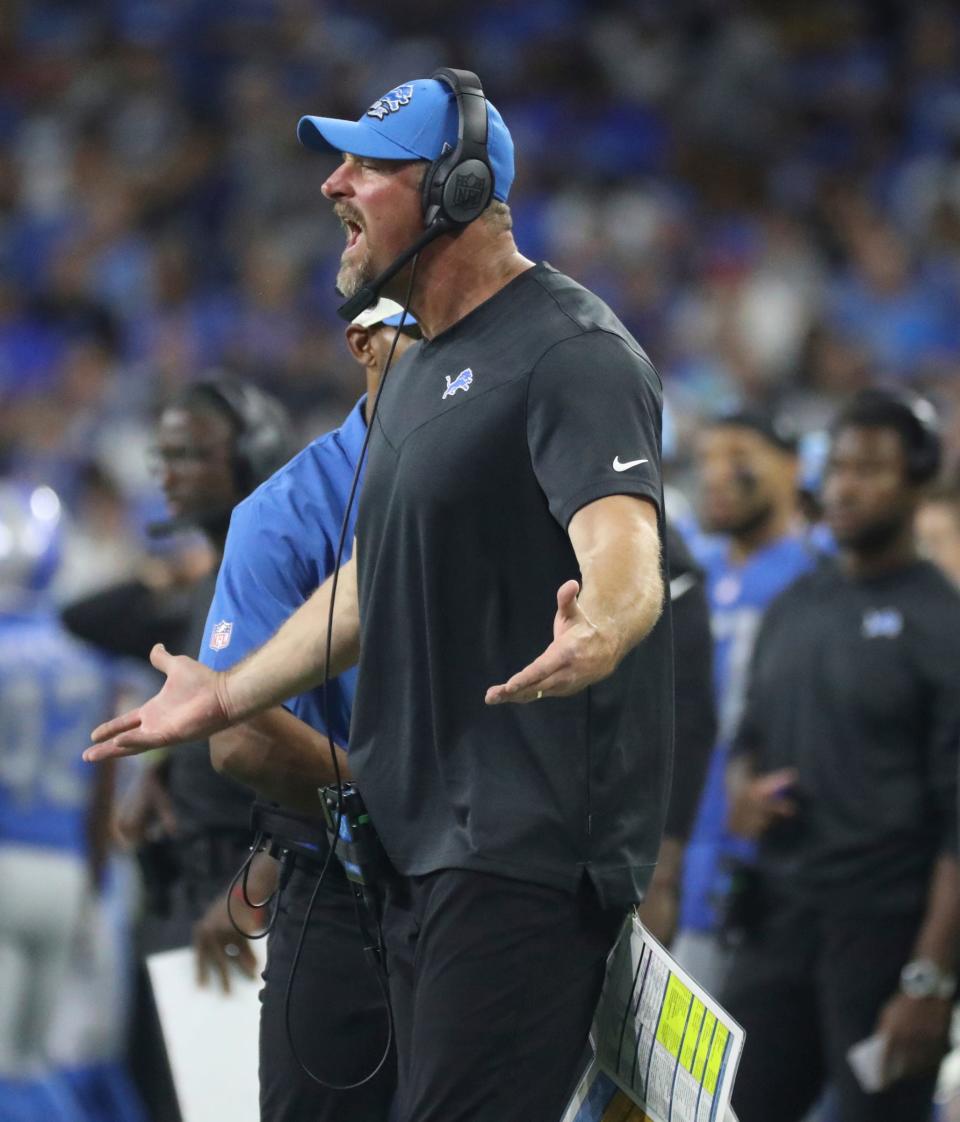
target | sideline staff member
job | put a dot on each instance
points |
(217, 440)
(854, 692)
(513, 483)
(282, 544)
(746, 467)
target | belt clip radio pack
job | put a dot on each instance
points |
(351, 832)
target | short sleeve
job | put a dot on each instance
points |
(593, 423)
(260, 584)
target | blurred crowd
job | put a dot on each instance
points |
(768, 196)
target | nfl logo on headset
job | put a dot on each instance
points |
(220, 637)
(468, 190)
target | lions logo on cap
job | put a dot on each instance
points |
(391, 102)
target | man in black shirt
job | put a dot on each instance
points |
(216, 441)
(846, 770)
(513, 483)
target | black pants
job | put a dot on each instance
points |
(806, 987)
(338, 1016)
(494, 984)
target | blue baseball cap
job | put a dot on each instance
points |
(411, 122)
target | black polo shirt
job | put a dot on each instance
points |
(855, 684)
(488, 440)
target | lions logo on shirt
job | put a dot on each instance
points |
(463, 381)
(391, 102)
(882, 623)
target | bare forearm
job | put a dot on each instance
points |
(293, 661)
(940, 931)
(606, 613)
(196, 701)
(280, 757)
(619, 557)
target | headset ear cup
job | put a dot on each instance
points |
(456, 192)
(264, 439)
(458, 185)
(925, 460)
(467, 191)
(926, 457)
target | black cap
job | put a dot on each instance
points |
(773, 429)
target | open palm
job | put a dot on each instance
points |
(576, 658)
(188, 707)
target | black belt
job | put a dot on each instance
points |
(285, 830)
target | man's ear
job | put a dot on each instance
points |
(358, 340)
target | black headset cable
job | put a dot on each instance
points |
(378, 954)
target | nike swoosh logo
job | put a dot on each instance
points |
(618, 466)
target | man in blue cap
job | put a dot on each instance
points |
(404, 132)
(512, 494)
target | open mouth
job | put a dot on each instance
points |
(353, 231)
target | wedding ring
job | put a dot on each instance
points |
(539, 694)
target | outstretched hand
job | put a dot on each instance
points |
(189, 707)
(578, 656)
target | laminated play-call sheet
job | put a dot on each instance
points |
(666, 1051)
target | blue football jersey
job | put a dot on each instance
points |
(281, 547)
(53, 691)
(739, 595)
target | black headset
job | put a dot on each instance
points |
(458, 185)
(925, 455)
(264, 441)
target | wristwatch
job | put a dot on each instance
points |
(923, 978)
